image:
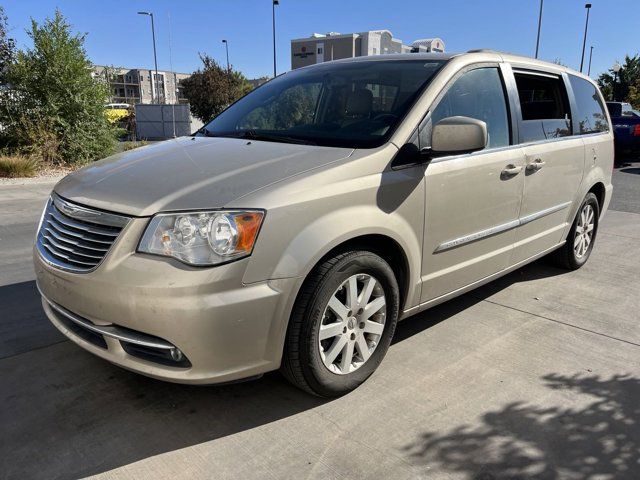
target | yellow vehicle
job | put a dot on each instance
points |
(116, 111)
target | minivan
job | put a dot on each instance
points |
(296, 228)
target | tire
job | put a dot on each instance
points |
(570, 256)
(315, 362)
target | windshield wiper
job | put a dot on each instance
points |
(253, 135)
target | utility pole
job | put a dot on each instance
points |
(590, 56)
(226, 44)
(584, 40)
(155, 58)
(273, 17)
(539, 27)
(175, 82)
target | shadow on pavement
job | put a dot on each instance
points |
(635, 170)
(524, 440)
(23, 326)
(68, 414)
(429, 318)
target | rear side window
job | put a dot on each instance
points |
(544, 105)
(627, 110)
(590, 114)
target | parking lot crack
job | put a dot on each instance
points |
(42, 347)
(566, 324)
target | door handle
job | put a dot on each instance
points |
(536, 165)
(511, 170)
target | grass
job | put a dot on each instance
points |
(14, 166)
(130, 145)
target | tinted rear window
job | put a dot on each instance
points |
(590, 114)
(544, 105)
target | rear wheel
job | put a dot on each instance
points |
(342, 324)
(581, 238)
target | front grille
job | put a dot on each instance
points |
(76, 238)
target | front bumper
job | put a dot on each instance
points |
(227, 330)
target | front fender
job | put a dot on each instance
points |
(333, 229)
(308, 218)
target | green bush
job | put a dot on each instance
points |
(54, 109)
(16, 166)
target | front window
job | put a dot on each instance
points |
(356, 105)
(476, 94)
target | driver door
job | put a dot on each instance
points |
(472, 200)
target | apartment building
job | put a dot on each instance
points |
(320, 48)
(135, 85)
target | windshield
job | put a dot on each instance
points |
(355, 104)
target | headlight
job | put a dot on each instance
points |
(202, 238)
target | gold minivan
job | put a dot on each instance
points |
(297, 227)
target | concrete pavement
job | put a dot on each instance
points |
(536, 375)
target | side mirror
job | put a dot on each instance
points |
(410, 154)
(455, 135)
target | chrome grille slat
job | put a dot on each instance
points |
(70, 249)
(53, 223)
(82, 227)
(68, 241)
(66, 257)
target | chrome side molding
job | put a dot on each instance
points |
(543, 213)
(477, 236)
(473, 237)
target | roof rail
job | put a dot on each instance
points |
(482, 50)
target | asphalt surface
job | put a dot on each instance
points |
(626, 179)
(536, 375)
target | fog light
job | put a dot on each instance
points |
(176, 354)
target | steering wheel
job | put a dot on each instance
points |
(388, 117)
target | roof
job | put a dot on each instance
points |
(397, 56)
(492, 54)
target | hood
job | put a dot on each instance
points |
(189, 173)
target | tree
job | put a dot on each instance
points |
(634, 94)
(212, 88)
(7, 46)
(56, 108)
(627, 78)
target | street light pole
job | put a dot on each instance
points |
(226, 45)
(616, 68)
(584, 40)
(590, 56)
(273, 17)
(155, 58)
(539, 27)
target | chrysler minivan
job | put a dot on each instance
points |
(296, 228)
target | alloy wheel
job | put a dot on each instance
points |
(352, 324)
(584, 231)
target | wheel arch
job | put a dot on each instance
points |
(599, 190)
(382, 245)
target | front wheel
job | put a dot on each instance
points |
(581, 238)
(342, 324)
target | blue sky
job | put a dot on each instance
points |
(117, 36)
